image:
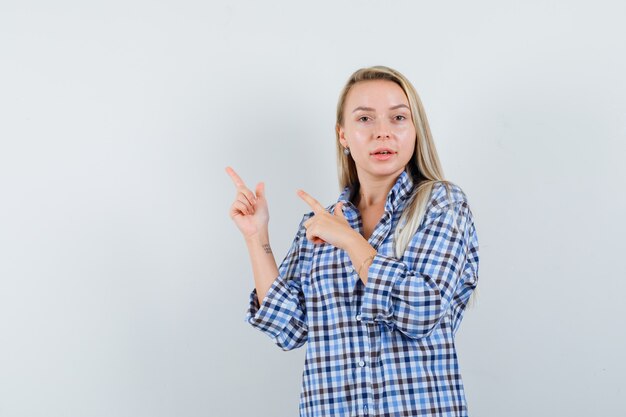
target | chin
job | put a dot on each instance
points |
(386, 171)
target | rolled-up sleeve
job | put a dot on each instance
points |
(282, 314)
(412, 294)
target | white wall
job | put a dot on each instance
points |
(123, 282)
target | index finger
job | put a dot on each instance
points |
(236, 179)
(315, 205)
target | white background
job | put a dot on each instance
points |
(123, 281)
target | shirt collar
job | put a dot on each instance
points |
(398, 193)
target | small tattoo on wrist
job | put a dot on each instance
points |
(267, 248)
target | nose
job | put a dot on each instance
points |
(383, 130)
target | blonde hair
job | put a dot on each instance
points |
(424, 166)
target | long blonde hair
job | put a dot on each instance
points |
(424, 166)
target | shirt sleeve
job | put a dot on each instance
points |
(439, 266)
(282, 315)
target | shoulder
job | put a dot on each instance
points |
(450, 202)
(445, 194)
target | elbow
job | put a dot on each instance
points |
(418, 332)
(293, 336)
(420, 324)
(287, 345)
(409, 327)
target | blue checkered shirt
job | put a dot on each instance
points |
(385, 348)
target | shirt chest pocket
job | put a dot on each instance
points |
(327, 261)
(330, 275)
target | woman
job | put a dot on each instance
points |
(378, 282)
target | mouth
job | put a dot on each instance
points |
(383, 155)
(383, 151)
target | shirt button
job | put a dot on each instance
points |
(365, 408)
(358, 317)
(361, 363)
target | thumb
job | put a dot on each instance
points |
(260, 190)
(339, 210)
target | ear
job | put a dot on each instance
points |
(341, 133)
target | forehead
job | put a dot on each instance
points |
(375, 92)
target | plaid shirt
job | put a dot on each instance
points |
(385, 348)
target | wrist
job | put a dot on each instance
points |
(262, 236)
(366, 263)
(357, 244)
(359, 249)
(356, 239)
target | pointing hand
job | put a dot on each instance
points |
(324, 227)
(249, 211)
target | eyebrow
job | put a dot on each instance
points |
(371, 109)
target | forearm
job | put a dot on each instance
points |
(360, 252)
(264, 266)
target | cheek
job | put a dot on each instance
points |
(358, 138)
(409, 134)
(410, 146)
(406, 129)
(408, 142)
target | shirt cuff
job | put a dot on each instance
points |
(381, 276)
(279, 307)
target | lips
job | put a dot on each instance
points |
(383, 154)
(383, 151)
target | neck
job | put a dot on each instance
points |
(373, 191)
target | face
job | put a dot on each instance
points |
(377, 118)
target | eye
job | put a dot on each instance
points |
(400, 117)
(363, 118)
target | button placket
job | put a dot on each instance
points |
(381, 231)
